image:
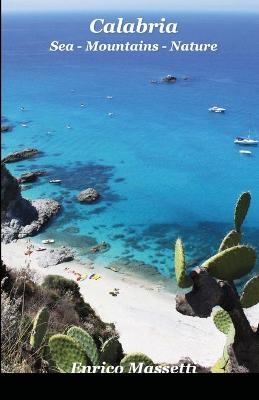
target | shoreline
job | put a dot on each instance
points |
(143, 312)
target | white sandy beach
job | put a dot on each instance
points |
(144, 313)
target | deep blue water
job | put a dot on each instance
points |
(164, 165)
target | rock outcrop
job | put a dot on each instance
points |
(52, 257)
(6, 128)
(31, 176)
(20, 155)
(21, 217)
(88, 196)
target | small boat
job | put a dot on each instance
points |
(109, 97)
(48, 241)
(217, 109)
(110, 114)
(69, 127)
(246, 152)
(41, 248)
(246, 141)
(169, 79)
(55, 181)
(24, 125)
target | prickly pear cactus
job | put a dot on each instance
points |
(219, 366)
(250, 295)
(229, 342)
(136, 358)
(232, 263)
(86, 342)
(230, 240)
(222, 365)
(110, 351)
(241, 209)
(39, 329)
(182, 279)
(65, 351)
(222, 320)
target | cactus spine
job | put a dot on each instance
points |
(39, 329)
(241, 209)
(182, 279)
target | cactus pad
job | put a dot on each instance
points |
(182, 279)
(219, 366)
(135, 358)
(230, 240)
(241, 209)
(85, 341)
(110, 351)
(230, 341)
(39, 329)
(65, 351)
(250, 295)
(222, 320)
(232, 263)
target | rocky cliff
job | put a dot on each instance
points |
(21, 217)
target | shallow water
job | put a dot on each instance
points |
(164, 166)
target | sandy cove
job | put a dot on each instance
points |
(144, 313)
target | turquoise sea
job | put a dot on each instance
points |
(164, 165)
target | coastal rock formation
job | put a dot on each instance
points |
(20, 155)
(6, 128)
(21, 217)
(88, 196)
(31, 176)
(52, 257)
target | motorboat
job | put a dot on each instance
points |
(245, 152)
(217, 109)
(109, 97)
(55, 181)
(48, 241)
(40, 248)
(246, 141)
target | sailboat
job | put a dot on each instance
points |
(246, 140)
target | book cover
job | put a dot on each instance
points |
(130, 196)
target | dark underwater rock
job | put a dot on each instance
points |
(20, 155)
(30, 176)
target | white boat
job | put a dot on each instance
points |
(246, 152)
(217, 109)
(109, 97)
(48, 241)
(41, 248)
(247, 141)
(55, 181)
